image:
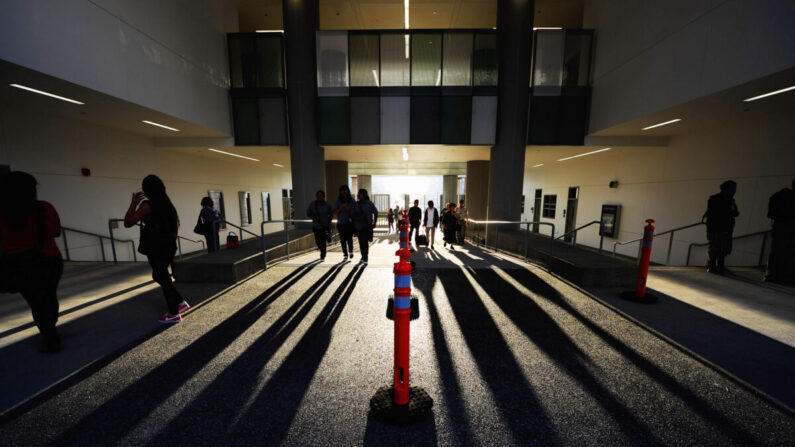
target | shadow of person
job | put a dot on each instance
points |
(140, 398)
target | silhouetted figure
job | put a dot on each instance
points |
(450, 225)
(342, 208)
(721, 212)
(29, 258)
(463, 218)
(430, 221)
(781, 262)
(159, 226)
(320, 213)
(390, 217)
(207, 216)
(415, 216)
(365, 217)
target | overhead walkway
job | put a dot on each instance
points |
(291, 356)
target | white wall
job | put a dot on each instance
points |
(54, 150)
(651, 55)
(672, 184)
(168, 55)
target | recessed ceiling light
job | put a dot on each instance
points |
(587, 153)
(538, 165)
(152, 123)
(229, 153)
(270, 30)
(278, 165)
(770, 94)
(662, 124)
(405, 154)
(546, 27)
(62, 98)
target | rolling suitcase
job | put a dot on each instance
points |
(421, 240)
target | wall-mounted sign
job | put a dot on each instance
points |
(609, 220)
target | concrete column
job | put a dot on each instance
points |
(306, 156)
(477, 190)
(366, 182)
(450, 189)
(336, 176)
(514, 43)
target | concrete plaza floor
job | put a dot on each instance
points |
(291, 356)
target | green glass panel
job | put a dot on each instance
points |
(456, 119)
(485, 59)
(426, 59)
(334, 119)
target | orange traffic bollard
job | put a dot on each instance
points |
(643, 267)
(402, 312)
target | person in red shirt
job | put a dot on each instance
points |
(32, 261)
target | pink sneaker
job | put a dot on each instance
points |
(168, 318)
(183, 306)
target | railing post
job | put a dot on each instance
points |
(101, 248)
(112, 242)
(135, 257)
(216, 241)
(65, 245)
(262, 237)
(762, 251)
(670, 246)
(526, 240)
(287, 239)
(687, 261)
(601, 242)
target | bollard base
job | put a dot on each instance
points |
(648, 298)
(415, 308)
(384, 409)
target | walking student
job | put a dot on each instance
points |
(390, 217)
(365, 217)
(207, 216)
(342, 208)
(160, 223)
(320, 213)
(781, 262)
(721, 212)
(30, 262)
(430, 222)
(450, 225)
(415, 216)
(463, 217)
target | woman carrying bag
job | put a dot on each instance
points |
(365, 216)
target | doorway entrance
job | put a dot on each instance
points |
(571, 212)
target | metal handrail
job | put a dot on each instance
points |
(574, 232)
(670, 239)
(520, 223)
(761, 252)
(87, 233)
(286, 235)
(219, 221)
(179, 244)
(113, 244)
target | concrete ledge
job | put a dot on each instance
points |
(233, 265)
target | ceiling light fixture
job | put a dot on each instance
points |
(270, 31)
(152, 123)
(406, 13)
(46, 94)
(662, 124)
(278, 165)
(375, 76)
(770, 94)
(546, 27)
(405, 154)
(229, 153)
(587, 153)
(539, 165)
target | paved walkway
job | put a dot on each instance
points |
(291, 356)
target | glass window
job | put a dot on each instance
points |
(242, 61)
(245, 113)
(332, 59)
(334, 120)
(550, 203)
(426, 59)
(548, 61)
(576, 59)
(266, 207)
(485, 59)
(395, 62)
(457, 59)
(364, 60)
(245, 207)
(270, 72)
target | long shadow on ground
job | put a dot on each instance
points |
(115, 418)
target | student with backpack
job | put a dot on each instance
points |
(204, 225)
(430, 222)
(342, 208)
(781, 261)
(365, 217)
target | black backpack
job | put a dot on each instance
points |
(780, 206)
